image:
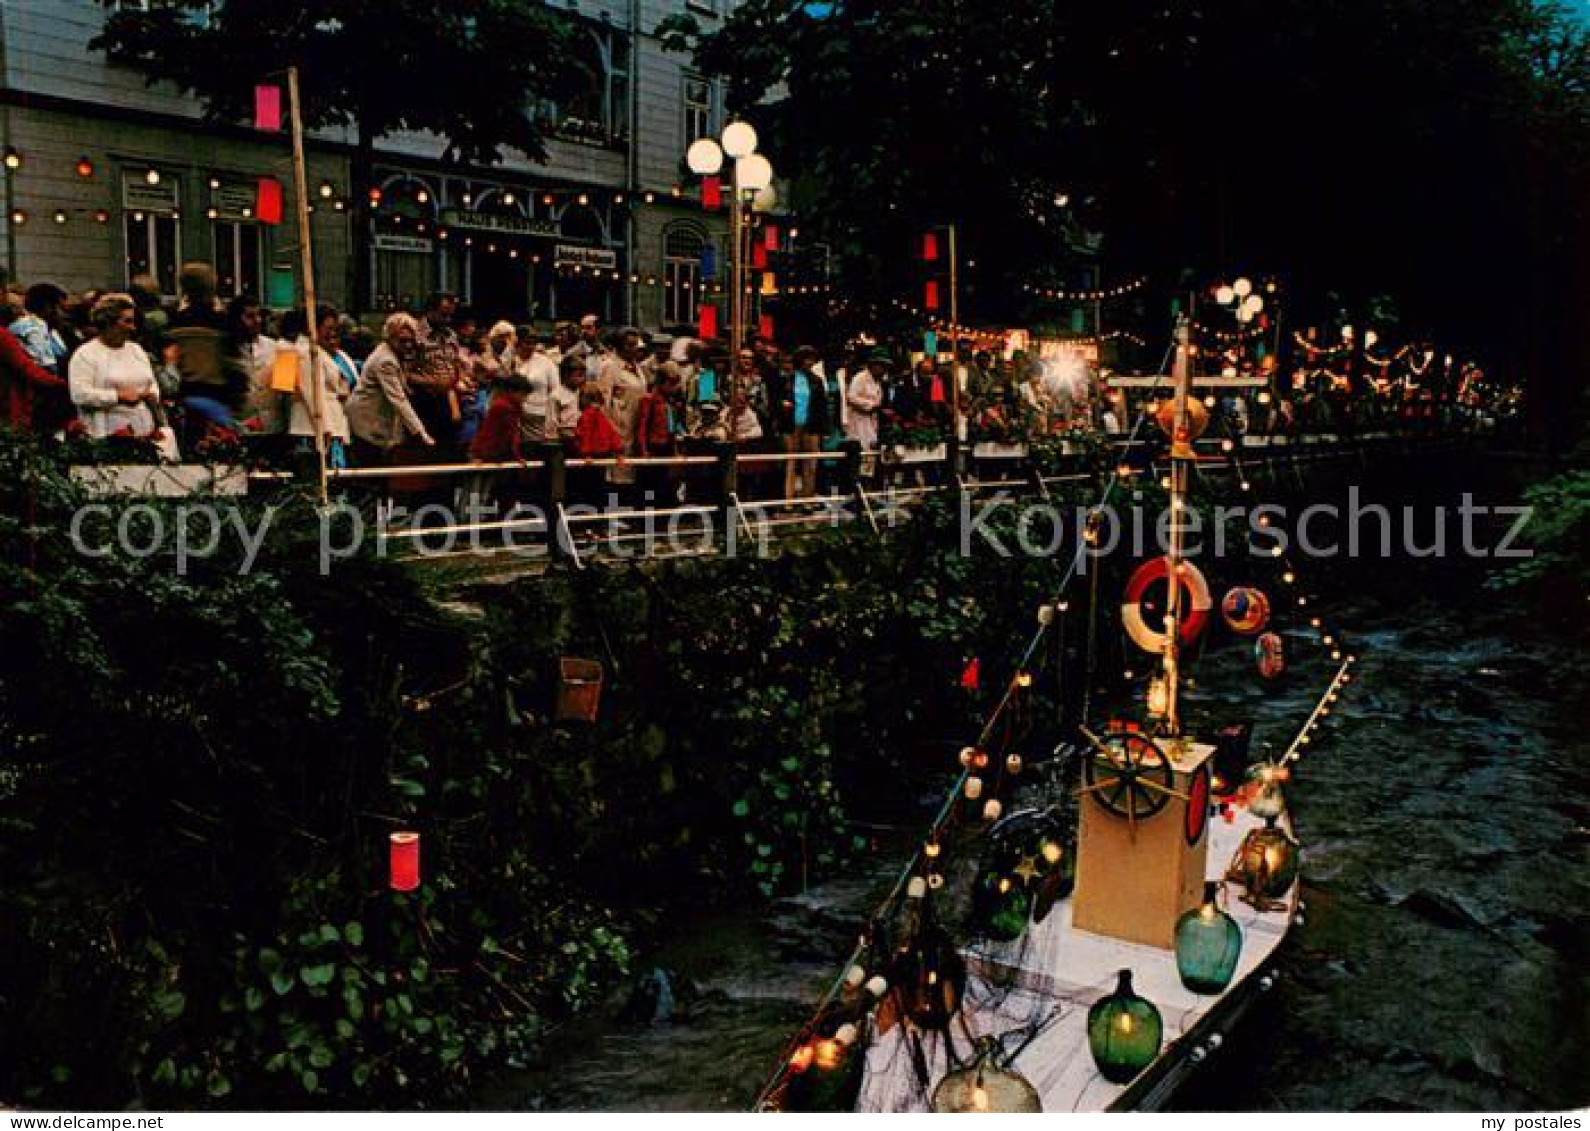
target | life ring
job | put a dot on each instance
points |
(1246, 611)
(1194, 606)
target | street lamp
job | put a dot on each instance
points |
(752, 191)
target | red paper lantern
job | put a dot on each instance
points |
(930, 295)
(930, 246)
(712, 193)
(764, 327)
(268, 201)
(708, 330)
(405, 861)
(770, 237)
(267, 107)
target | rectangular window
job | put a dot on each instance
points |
(238, 258)
(681, 291)
(404, 278)
(698, 108)
(153, 248)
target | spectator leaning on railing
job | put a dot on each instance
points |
(379, 412)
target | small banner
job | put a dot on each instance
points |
(759, 257)
(770, 237)
(930, 247)
(936, 391)
(709, 261)
(268, 201)
(267, 107)
(708, 329)
(930, 343)
(764, 327)
(930, 295)
(712, 193)
(969, 675)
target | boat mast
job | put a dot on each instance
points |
(1181, 455)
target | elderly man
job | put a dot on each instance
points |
(438, 368)
(380, 414)
(623, 385)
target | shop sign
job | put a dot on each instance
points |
(493, 222)
(138, 195)
(403, 243)
(603, 258)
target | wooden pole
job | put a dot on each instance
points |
(955, 377)
(301, 193)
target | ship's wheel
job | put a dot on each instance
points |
(1128, 774)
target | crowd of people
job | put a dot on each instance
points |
(199, 378)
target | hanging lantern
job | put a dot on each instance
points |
(1001, 908)
(1269, 653)
(579, 689)
(1124, 1032)
(986, 1085)
(1267, 799)
(1208, 944)
(1266, 863)
(404, 861)
(1245, 610)
(1197, 419)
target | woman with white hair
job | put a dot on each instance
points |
(111, 380)
(379, 413)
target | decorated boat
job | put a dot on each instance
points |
(1091, 948)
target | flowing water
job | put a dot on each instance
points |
(1441, 965)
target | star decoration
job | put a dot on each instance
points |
(1027, 870)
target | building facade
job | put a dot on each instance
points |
(107, 178)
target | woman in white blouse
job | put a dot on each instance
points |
(324, 397)
(112, 382)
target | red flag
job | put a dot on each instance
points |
(770, 237)
(759, 257)
(930, 297)
(268, 201)
(930, 246)
(712, 193)
(267, 107)
(969, 676)
(708, 330)
(764, 327)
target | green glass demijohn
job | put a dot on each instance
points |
(1208, 944)
(1124, 1032)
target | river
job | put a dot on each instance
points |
(1441, 965)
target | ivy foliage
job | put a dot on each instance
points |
(199, 770)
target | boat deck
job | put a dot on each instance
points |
(1050, 978)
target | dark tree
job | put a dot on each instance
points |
(468, 71)
(1438, 152)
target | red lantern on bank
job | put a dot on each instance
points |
(405, 861)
